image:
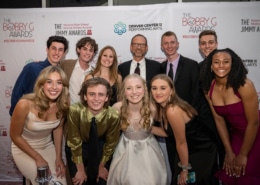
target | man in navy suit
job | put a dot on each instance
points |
(185, 75)
(147, 68)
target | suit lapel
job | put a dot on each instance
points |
(164, 66)
(128, 66)
(179, 69)
(147, 72)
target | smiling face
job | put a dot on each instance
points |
(55, 52)
(86, 53)
(134, 90)
(169, 45)
(161, 91)
(207, 43)
(221, 64)
(53, 86)
(138, 48)
(96, 97)
(107, 58)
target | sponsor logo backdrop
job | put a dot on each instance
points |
(24, 33)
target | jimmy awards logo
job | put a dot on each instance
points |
(2, 65)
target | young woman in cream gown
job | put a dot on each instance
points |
(35, 117)
(138, 159)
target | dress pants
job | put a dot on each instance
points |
(72, 166)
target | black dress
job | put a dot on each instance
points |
(202, 153)
(113, 98)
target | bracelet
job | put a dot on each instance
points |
(188, 167)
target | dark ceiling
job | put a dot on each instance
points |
(49, 3)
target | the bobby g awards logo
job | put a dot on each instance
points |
(18, 31)
(120, 28)
(196, 24)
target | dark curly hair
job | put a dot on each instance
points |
(87, 40)
(236, 76)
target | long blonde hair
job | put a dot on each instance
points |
(39, 98)
(145, 111)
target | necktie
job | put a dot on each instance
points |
(137, 69)
(93, 159)
(170, 73)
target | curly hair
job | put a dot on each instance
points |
(91, 83)
(236, 76)
(87, 40)
(174, 99)
(145, 111)
(39, 98)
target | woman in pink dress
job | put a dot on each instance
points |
(234, 104)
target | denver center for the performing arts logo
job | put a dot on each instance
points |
(120, 28)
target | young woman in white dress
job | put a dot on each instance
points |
(138, 158)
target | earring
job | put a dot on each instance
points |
(169, 99)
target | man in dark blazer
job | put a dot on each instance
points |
(208, 41)
(185, 70)
(147, 68)
(186, 82)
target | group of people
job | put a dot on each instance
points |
(115, 119)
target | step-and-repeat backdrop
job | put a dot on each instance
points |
(24, 33)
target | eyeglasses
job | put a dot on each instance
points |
(142, 45)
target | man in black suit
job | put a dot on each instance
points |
(185, 74)
(208, 41)
(185, 70)
(147, 68)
